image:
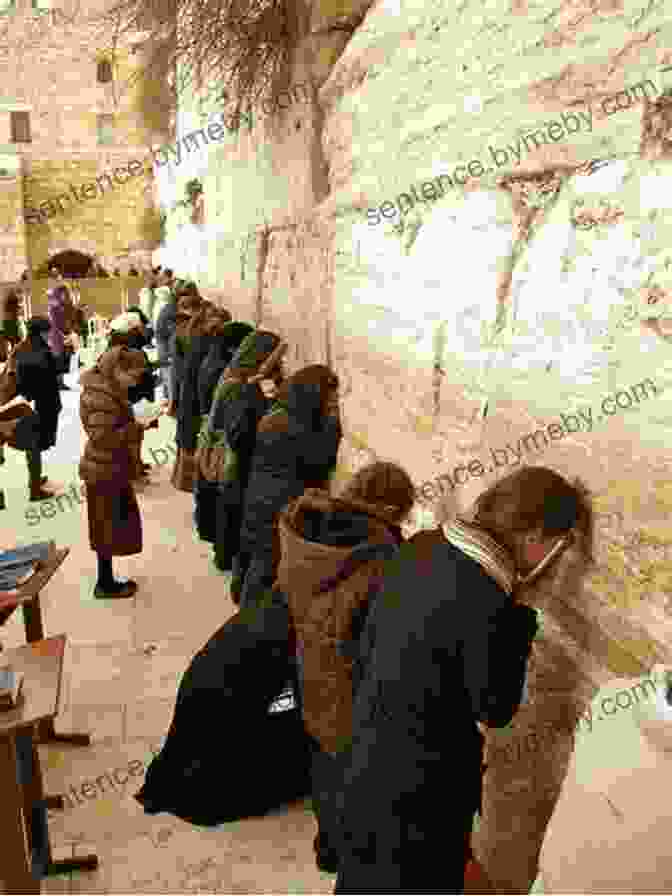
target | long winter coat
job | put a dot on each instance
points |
(611, 827)
(328, 593)
(295, 449)
(444, 647)
(108, 466)
(230, 434)
(226, 756)
(37, 380)
(219, 357)
(108, 421)
(189, 410)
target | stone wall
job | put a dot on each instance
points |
(61, 92)
(482, 316)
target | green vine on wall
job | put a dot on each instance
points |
(192, 190)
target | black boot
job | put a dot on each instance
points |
(107, 588)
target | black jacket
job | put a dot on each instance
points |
(436, 659)
(189, 410)
(37, 380)
(300, 454)
(250, 760)
(218, 359)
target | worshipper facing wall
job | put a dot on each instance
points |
(163, 322)
(226, 441)
(296, 448)
(611, 826)
(407, 814)
(332, 561)
(189, 308)
(234, 749)
(226, 342)
(195, 344)
(108, 463)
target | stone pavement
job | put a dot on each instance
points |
(123, 665)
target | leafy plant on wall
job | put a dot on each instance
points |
(193, 198)
(249, 45)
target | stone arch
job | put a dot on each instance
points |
(72, 263)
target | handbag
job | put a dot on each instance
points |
(216, 462)
(19, 427)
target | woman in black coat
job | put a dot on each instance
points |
(443, 655)
(37, 379)
(226, 442)
(199, 340)
(219, 357)
(296, 448)
(233, 749)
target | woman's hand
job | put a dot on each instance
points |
(269, 388)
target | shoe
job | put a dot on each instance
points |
(117, 591)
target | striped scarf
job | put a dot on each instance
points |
(475, 543)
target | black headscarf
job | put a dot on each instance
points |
(218, 359)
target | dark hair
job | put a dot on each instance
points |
(384, 484)
(168, 272)
(133, 272)
(536, 497)
(11, 300)
(141, 314)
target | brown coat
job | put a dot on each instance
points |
(108, 421)
(323, 620)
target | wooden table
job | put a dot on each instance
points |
(28, 598)
(26, 855)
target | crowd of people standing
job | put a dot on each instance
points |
(379, 639)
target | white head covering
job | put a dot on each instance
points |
(124, 323)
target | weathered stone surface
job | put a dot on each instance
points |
(528, 287)
(63, 97)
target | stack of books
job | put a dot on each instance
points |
(20, 564)
(10, 688)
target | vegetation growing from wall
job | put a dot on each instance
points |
(247, 45)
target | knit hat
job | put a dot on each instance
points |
(126, 322)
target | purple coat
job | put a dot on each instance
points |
(58, 312)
